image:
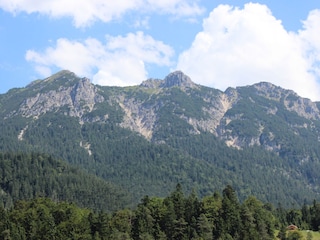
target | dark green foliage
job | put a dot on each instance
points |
(246, 169)
(213, 217)
(257, 222)
(44, 219)
(229, 213)
(315, 216)
(204, 227)
(279, 156)
(25, 176)
(306, 218)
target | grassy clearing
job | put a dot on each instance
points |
(315, 235)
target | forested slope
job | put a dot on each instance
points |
(176, 216)
(27, 176)
(261, 139)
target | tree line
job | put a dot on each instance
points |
(175, 217)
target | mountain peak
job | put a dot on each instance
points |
(272, 91)
(61, 78)
(61, 90)
(61, 74)
(179, 79)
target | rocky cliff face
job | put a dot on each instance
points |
(240, 117)
(302, 106)
(137, 117)
(257, 111)
(141, 114)
(177, 79)
(174, 79)
(76, 98)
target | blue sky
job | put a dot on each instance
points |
(218, 44)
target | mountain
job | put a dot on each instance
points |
(261, 139)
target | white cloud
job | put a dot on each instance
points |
(142, 23)
(311, 40)
(178, 8)
(120, 61)
(244, 46)
(85, 12)
(72, 55)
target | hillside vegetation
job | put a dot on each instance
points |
(176, 216)
(28, 176)
(261, 139)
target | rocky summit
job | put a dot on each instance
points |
(261, 138)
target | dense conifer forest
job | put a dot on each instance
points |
(144, 139)
(177, 216)
(44, 198)
(27, 176)
(82, 161)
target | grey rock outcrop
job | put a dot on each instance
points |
(76, 100)
(178, 79)
(142, 106)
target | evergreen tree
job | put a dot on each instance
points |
(315, 216)
(180, 230)
(167, 223)
(230, 212)
(178, 200)
(306, 216)
(121, 221)
(103, 226)
(211, 206)
(143, 222)
(204, 228)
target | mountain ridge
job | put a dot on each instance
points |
(150, 136)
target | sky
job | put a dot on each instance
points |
(217, 43)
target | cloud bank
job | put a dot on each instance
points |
(244, 46)
(86, 12)
(120, 61)
(236, 46)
